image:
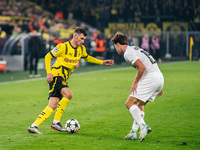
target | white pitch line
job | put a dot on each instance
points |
(75, 74)
(83, 73)
(20, 81)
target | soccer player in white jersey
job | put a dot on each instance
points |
(148, 83)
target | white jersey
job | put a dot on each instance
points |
(133, 53)
(152, 80)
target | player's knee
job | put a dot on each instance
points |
(128, 104)
(131, 101)
(68, 95)
(53, 102)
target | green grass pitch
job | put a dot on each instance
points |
(98, 104)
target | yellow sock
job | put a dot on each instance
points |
(43, 115)
(61, 107)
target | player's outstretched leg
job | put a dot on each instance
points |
(57, 126)
(42, 117)
(34, 129)
(131, 136)
(143, 132)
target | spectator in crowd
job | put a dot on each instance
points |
(87, 44)
(2, 33)
(155, 48)
(24, 26)
(50, 42)
(7, 27)
(145, 42)
(137, 13)
(114, 12)
(100, 45)
(17, 30)
(109, 47)
(34, 47)
(2, 40)
(24, 44)
(130, 40)
(196, 47)
(130, 13)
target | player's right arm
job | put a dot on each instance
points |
(53, 53)
(48, 58)
(140, 71)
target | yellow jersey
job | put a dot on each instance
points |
(67, 58)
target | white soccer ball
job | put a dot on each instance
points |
(72, 126)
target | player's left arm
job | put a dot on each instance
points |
(108, 62)
(94, 60)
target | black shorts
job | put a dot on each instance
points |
(55, 87)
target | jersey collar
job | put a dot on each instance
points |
(72, 46)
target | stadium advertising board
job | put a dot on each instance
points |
(140, 28)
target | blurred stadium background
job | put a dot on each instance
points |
(175, 22)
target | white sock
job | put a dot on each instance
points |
(142, 114)
(136, 114)
(135, 125)
(55, 121)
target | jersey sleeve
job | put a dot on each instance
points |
(94, 60)
(89, 58)
(55, 52)
(130, 56)
(84, 53)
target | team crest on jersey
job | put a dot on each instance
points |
(55, 50)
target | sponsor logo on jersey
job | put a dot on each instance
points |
(71, 61)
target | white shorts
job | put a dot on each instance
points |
(149, 87)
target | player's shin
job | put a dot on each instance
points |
(135, 125)
(43, 115)
(136, 114)
(61, 107)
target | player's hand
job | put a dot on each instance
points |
(49, 78)
(134, 88)
(108, 62)
(160, 93)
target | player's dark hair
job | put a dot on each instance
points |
(80, 30)
(120, 38)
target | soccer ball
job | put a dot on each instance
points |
(72, 126)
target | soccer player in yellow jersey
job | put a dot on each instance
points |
(68, 55)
